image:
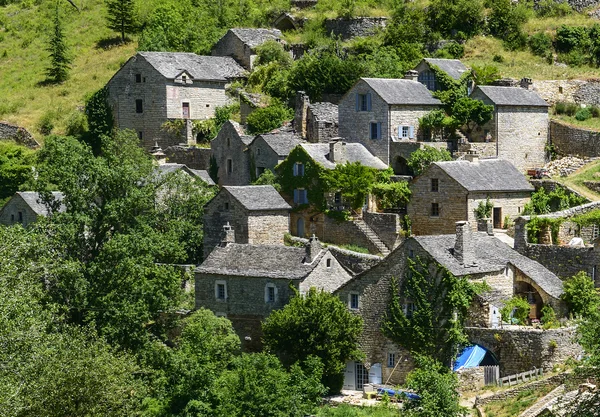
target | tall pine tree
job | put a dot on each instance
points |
(121, 16)
(59, 57)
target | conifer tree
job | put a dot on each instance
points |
(121, 16)
(59, 57)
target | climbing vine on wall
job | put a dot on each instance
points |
(537, 224)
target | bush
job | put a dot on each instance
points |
(595, 110)
(484, 209)
(552, 8)
(562, 107)
(421, 158)
(569, 38)
(581, 295)
(549, 320)
(583, 114)
(272, 51)
(268, 118)
(391, 196)
(76, 124)
(540, 44)
(456, 19)
(46, 123)
(521, 308)
(498, 58)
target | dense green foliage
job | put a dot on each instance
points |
(391, 195)
(581, 296)
(517, 308)
(536, 225)
(318, 324)
(421, 158)
(558, 199)
(484, 209)
(58, 71)
(265, 119)
(434, 327)
(99, 119)
(15, 168)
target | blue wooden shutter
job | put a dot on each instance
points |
(411, 132)
(399, 131)
(357, 102)
(295, 195)
(379, 130)
(368, 101)
(295, 169)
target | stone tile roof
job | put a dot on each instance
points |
(491, 255)
(324, 112)
(258, 197)
(512, 96)
(486, 175)
(400, 91)
(33, 200)
(281, 143)
(168, 168)
(453, 67)
(200, 67)
(203, 175)
(255, 37)
(355, 152)
(268, 261)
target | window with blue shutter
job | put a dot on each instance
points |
(411, 132)
(296, 196)
(375, 130)
(358, 100)
(368, 101)
(379, 130)
(363, 102)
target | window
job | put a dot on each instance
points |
(353, 300)
(258, 151)
(337, 197)
(328, 262)
(221, 290)
(298, 169)
(138, 78)
(434, 185)
(228, 142)
(427, 78)
(229, 166)
(300, 196)
(408, 308)
(363, 102)
(139, 106)
(185, 107)
(270, 293)
(20, 217)
(226, 206)
(406, 132)
(391, 362)
(184, 78)
(12, 218)
(411, 254)
(375, 130)
(435, 210)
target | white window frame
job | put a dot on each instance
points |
(267, 288)
(406, 132)
(224, 284)
(357, 295)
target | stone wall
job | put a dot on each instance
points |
(228, 145)
(386, 225)
(577, 91)
(470, 379)
(510, 204)
(264, 156)
(564, 261)
(554, 380)
(570, 140)
(348, 28)
(19, 134)
(551, 185)
(192, 157)
(520, 349)
(321, 122)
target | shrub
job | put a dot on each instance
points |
(421, 158)
(583, 114)
(484, 209)
(272, 51)
(540, 44)
(46, 123)
(391, 196)
(76, 124)
(549, 320)
(595, 110)
(560, 107)
(268, 118)
(498, 58)
(570, 38)
(581, 295)
(518, 307)
(552, 8)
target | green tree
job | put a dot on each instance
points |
(121, 16)
(421, 158)
(518, 308)
(457, 19)
(353, 180)
(318, 324)
(99, 119)
(58, 71)
(581, 296)
(265, 119)
(471, 113)
(16, 163)
(434, 327)
(506, 22)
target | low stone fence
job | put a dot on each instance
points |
(386, 225)
(348, 28)
(555, 380)
(19, 134)
(195, 158)
(570, 140)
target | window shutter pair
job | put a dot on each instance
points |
(359, 101)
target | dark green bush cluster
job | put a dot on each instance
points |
(552, 8)
(578, 45)
(574, 110)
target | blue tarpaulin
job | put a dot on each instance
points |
(410, 395)
(470, 357)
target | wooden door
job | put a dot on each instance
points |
(186, 110)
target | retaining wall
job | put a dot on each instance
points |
(195, 158)
(570, 140)
(18, 134)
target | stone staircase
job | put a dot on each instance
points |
(544, 402)
(372, 236)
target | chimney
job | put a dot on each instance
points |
(158, 154)
(472, 156)
(313, 247)
(229, 235)
(302, 102)
(464, 249)
(411, 75)
(526, 83)
(337, 151)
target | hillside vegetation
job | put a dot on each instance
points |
(195, 25)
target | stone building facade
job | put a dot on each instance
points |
(452, 67)
(268, 150)
(448, 192)
(230, 154)
(376, 112)
(241, 43)
(257, 214)
(519, 126)
(322, 122)
(348, 28)
(26, 206)
(155, 87)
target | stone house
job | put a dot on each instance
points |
(201, 174)
(268, 150)
(475, 255)
(241, 43)
(155, 87)
(453, 67)
(246, 282)
(26, 206)
(229, 153)
(377, 112)
(447, 192)
(518, 130)
(257, 213)
(315, 122)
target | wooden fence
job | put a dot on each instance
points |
(491, 375)
(522, 377)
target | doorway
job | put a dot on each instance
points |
(362, 376)
(186, 110)
(497, 218)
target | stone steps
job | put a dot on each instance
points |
(372, 236)
(544, 402)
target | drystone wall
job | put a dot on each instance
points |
(18, 134)
(514, 392)
(570, 140)
(386, 225)
(353, 27)
(192, 157)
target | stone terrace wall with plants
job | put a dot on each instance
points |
(570, 140)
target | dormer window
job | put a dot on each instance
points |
(184, 78)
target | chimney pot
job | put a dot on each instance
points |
(313, 248)
(411, 75)
(472, 156)
(229, 235)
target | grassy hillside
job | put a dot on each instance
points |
(23, 60)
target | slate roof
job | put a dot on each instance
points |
(33, 200)
(401, 91)
(281, 143)
(491, 255)
(324, 112)
(512, 96)
(258, 197)
(355, 152)
(255, 37)
(168, 168)
(453, 67)
(486, 175)
(203, 175)
(248, 260)
(200, 67)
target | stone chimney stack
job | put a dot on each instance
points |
(313, 247)
(526, 83)
(472, 156)
(337, 151)
(229, 236)
(464, 248)
(302, 102)
(411, 75)
(157, 153)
